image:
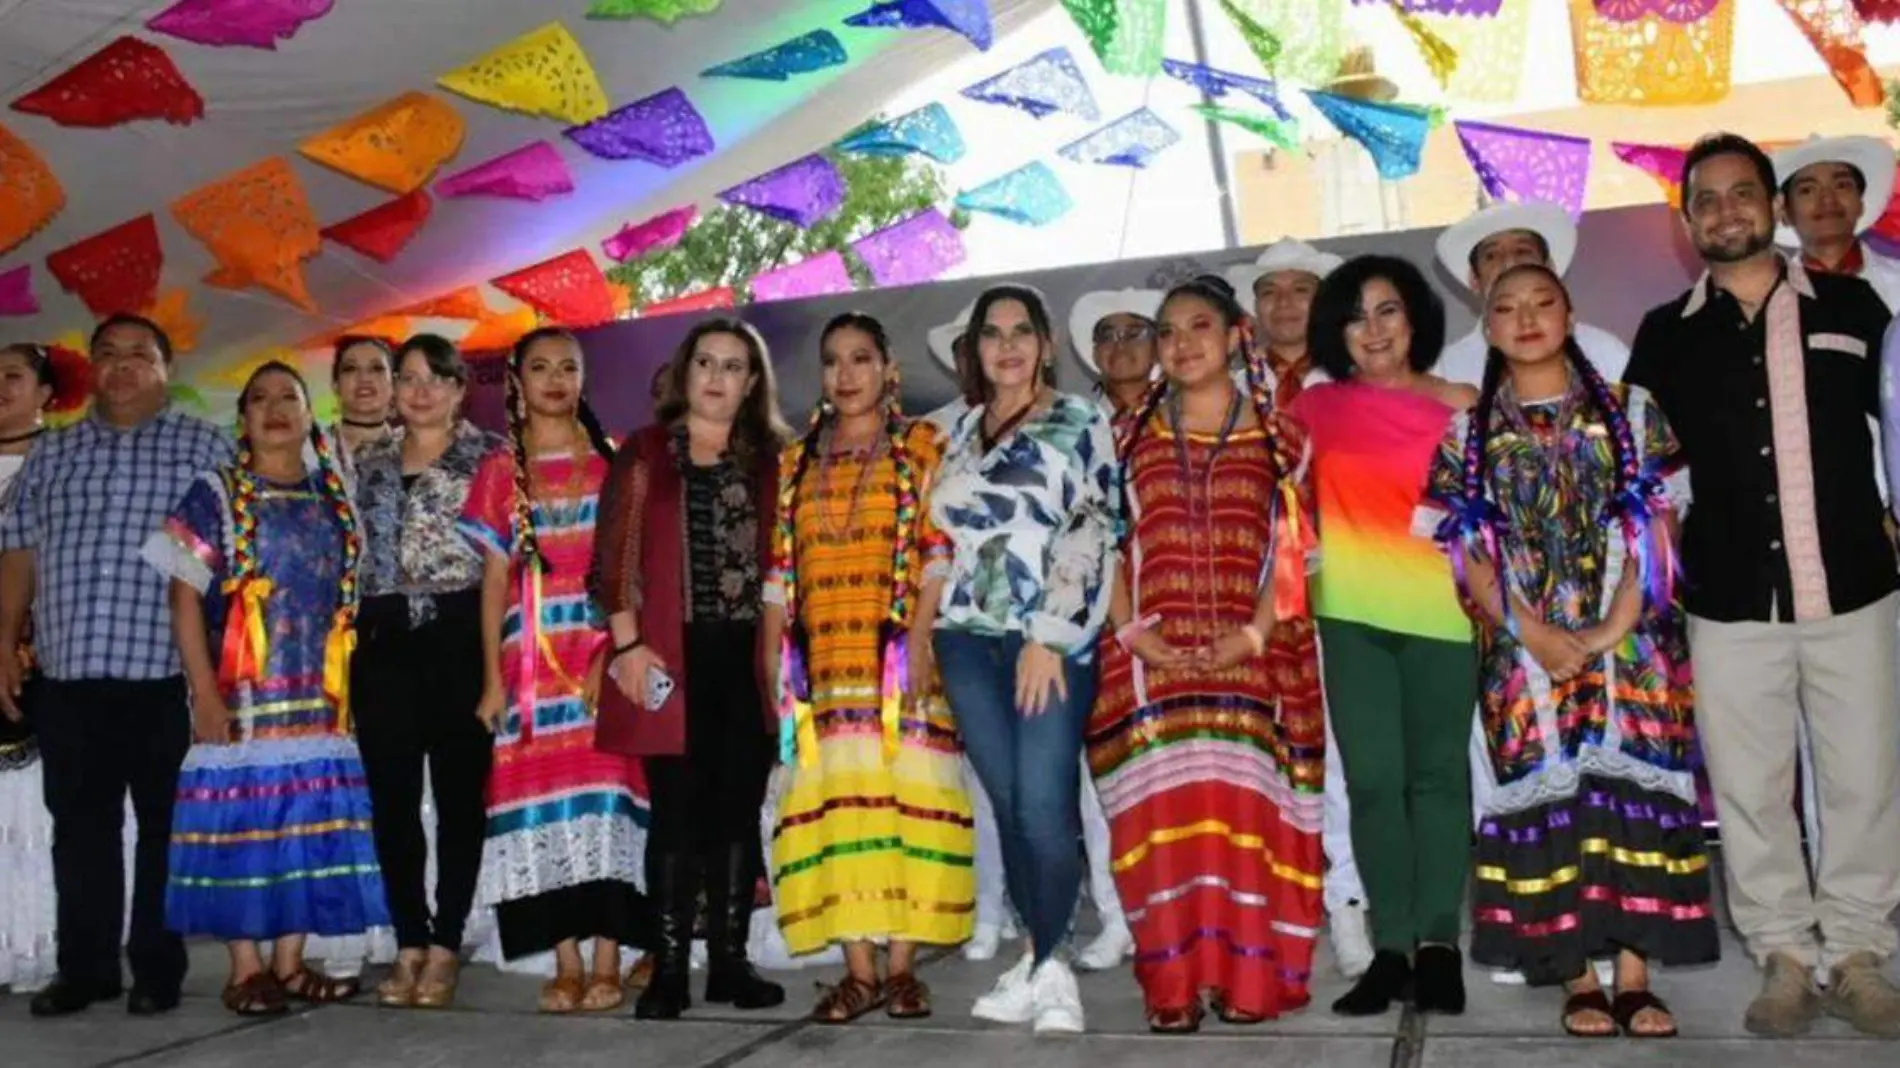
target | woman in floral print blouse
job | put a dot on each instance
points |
(1028, 495)
(417, 674)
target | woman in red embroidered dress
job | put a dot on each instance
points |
(1209, 753)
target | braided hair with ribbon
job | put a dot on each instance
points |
(1637, 495)
(1292, 537)
(245, 649)
(798, 737)
(531, 563)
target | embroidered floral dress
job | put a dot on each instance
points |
(1213, 782)
(271, 833)
(566, 822)
(870, 842)
(1592, 840)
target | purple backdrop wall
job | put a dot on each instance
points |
(1628, 260)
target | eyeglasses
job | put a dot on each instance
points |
(1127, 335)
(422, 382)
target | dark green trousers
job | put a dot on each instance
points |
(1401, 707)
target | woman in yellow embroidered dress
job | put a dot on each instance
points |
(874, 840)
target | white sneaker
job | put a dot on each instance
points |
(1351, 938)
(1058, 1003)
(1108, 949)
(1010, 1001)
(1010, 930)
(983, 942)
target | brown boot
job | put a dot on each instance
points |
(1788, 1003)
(1860, 993)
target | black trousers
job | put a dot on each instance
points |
(98, 739)
(708, 799)
(413, 694)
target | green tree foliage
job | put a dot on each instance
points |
(729, 245)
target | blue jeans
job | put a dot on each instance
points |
(1030, 766)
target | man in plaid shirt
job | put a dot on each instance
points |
(111, 712)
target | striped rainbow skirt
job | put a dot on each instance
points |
(272, 838)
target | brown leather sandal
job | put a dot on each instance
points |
(562, 994)
(259, 995)
(603, 993)
(850, 999)
(906, 997)
(313, 987)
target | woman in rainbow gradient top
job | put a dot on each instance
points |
(1400, 668)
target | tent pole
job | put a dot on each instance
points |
(1216, 147)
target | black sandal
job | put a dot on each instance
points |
(1594, 1000)
(1631, 1003)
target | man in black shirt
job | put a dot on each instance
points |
(1768, 374)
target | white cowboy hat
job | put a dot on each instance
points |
(1286, 254)
(1092, 308)
(1547, 221)
(943, 338)
(1871, 156)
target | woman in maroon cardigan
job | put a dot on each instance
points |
(684, 529)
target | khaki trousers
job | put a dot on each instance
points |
(1757, 686)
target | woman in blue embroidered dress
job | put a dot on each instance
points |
(271, 834)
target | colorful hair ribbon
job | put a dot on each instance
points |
(797, 734)
(246, 644)
(338, 646)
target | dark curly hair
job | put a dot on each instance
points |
(1337, 304)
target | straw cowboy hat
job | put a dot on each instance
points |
(1286, 254)
(1547, 221)
(1360, 79)
(1871, 156)
(1092, 308)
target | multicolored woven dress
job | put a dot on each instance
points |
(1592, 841)
(566, 822)
(1213, 783)
(874, 835)
(271, 834)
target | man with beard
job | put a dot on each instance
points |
(1767, 373)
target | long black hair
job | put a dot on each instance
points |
(597, 438)
(1475, 471)
(1218, 293)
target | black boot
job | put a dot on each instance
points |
(673, 885)
(731, 881)
(1439, 974)
(1386, 981)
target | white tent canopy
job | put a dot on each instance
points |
(364, 52)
